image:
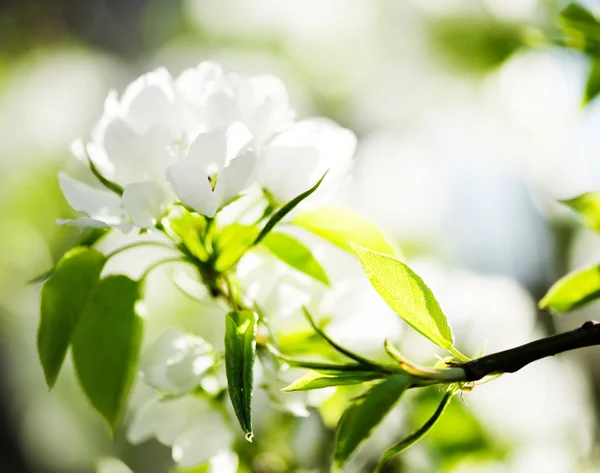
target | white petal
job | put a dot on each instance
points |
(195, 84)
(237, 176)
(144, 423)
(98, 204)
(272, 113)
(144, 202)
(209, 150)
(135, 157)
(297, 158)
(224, 462)
(190, 183)
(286, 171)
(205, 439)
(176, 362)
(149, 101)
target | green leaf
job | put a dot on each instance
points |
(233, 242)
(340, 225)
(417, 435)
(576, 13)
(63, 299)
(240, 351)
(323, 379)
(588, 206)
(359, 420)
(407, 294)
(287, 208)
(88, 239)
(188, 227)
(592, 87)
(295, 254)
(573, 290)
(106, 346)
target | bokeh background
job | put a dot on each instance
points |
(471, 124)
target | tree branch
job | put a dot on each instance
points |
(512, 360)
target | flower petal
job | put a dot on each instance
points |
(209, 150)
(201, 441)
(190, 183)
(176, 362)
(144, 202)
(297, 158)
(149, 101)
(134, 157)
(236, 177)
(98, 204)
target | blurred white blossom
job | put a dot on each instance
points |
(190, 425)
(176, 362)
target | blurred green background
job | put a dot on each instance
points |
(471, 125)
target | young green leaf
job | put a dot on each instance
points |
(106, 345)
(234, 240)
(417, 435)
(359, 420)
(314, 379)
(588, 206)
(592, 87)
(63, 299)
(240, 351)
(295, 254)
(286, 209)
(573, 290)
(187, 228)
(339, 225)
(407, 294)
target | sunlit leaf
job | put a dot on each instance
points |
(233, 242)
(592, 87)
(417, 435)
(286, 209)
(339, 225)
(295, 254)
(188, 227)
(63, 299)
(106, 345)
(323, 379)
(407, 294)
(359, 420)
(240, 351)
(588, 206)
(573, 290)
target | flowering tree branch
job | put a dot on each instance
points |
(512, 360)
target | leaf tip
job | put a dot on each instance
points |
(249, 436)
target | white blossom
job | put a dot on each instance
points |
(296, 159)
(176, 362)
(202, 138)
(190, 425)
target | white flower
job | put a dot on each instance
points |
(220, 156)
(296, 159)
(199, 139)
(176, 362)
(196, 432)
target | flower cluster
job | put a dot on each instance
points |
(200, 139)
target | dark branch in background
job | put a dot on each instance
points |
(512, 360)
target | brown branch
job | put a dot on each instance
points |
(512, 360)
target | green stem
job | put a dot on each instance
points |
(139, 244)
(155, 265)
